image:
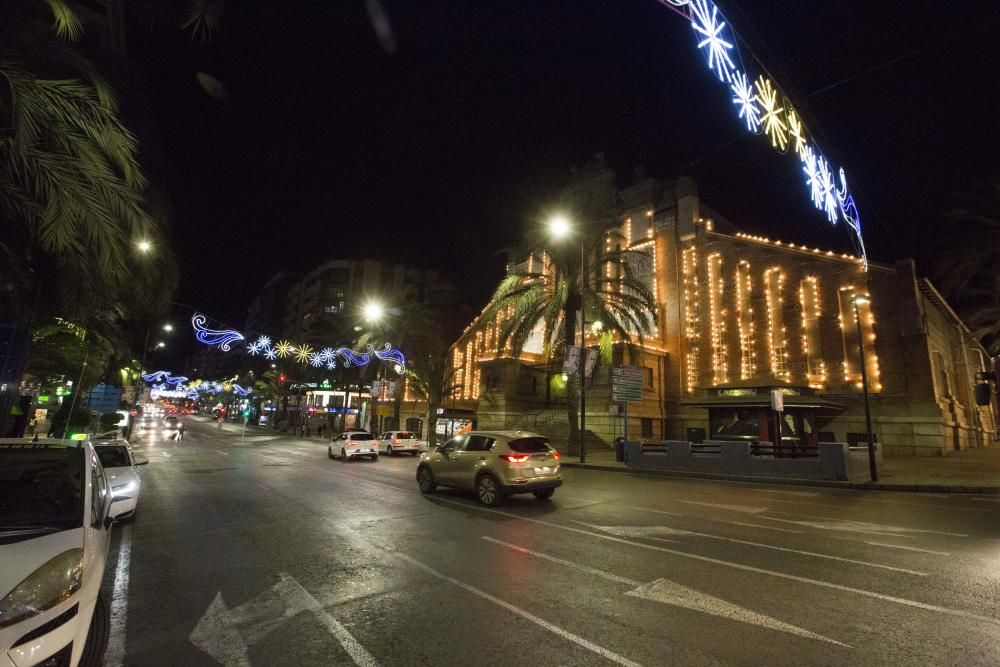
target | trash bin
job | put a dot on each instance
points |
(620, 449)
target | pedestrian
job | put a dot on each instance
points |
(302, 430)
(180, 432)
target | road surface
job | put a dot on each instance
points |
(266, 552)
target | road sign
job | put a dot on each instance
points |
(626, 383)
(105, 398)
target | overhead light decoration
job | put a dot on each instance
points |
(763, 107)
(303, 353)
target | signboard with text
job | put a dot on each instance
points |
(626, 383)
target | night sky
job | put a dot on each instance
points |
(440, 153)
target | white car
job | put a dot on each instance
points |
(395, 442)
(123, 474)
(55, 525)
(352, 444)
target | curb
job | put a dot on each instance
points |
(790, 481)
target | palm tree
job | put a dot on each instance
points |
(967, 267)
(568, 282)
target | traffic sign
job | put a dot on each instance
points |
(626, 383)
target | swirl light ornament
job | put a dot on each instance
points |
(215, 337)
(389, 354)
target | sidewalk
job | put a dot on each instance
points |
(969, 471)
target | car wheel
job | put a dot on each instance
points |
(97, 637)
(488, 491)
(343, 456)
(388, 450)
(374, 457)
(544, 494)
(329, 452)
(425, 480)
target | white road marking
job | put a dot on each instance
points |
(672, 593)
(653, 532)
(722, 506)
(565, 634)
(930, 506)
(899, 546)
(735, 523)
(575, 566)
(114, 656)
(828, 523)
(737, 566)
(806, 494)
(219, 451)
(668, 592)
(986, 500)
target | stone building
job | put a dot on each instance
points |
(738, 315)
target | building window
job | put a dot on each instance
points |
(717, 320)
(646, 427)
(812, 346)
(647, 377)
(492, 382)
(849, 335)
(744, 321)
(774, 285)
(528, 385)
(691, 324)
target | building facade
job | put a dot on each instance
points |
(738, 315)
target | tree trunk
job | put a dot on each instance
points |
(572, 390)
(430, 423)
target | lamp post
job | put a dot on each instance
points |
(373, 312)
(860, 300)
(560, 227)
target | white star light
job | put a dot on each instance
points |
(315, 360)
(745, 98)
(829, 203)
(812, 175)
(270, 354)
(331, 365)
(706, 22)
(326, 354)
(254, 349)
(264, 341)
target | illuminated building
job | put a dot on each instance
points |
(739, 313)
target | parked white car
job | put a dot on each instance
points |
(55, 526)
(121, 467)
(391, 443)
(352, 444)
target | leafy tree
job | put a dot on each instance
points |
(967, 267)
(61, 420)
(571, 281)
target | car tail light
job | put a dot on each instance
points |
(513, 458)
(555, 455)
(395, 441)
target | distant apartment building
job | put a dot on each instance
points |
(739, 315)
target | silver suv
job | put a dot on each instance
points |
(494, 464)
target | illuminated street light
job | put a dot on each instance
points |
(373, 311)
(144, 246)
(161, 344)
(860, 300)
(168, 327)
(559, 226)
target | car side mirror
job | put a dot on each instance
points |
(142, 463)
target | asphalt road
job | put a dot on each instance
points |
(269, 553)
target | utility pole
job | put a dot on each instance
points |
(873, 467)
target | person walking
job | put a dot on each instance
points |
(180, 432)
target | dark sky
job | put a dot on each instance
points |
(440, 153)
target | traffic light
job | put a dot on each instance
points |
(281, 378)
(246, 413)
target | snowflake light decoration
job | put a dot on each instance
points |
(772, 114)
(331, 365)
(314, 360)
(254, 348)
(303, 353)
(264, 341)
(745, 99)
(283, 348)
(326, 354)
(829, 203)
(811, 170)
(796, 132)
(705, 21)
(270, 354)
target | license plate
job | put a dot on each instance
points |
(543, 471)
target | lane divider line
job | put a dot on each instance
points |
(114, 655)
(555, 629)
(575, 566)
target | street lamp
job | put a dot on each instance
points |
(161, 345)
(860, 300)
(144, 246)
(168, 327)
(373, 311)
(560, 228)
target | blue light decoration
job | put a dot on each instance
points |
(302, 353)
(156, 377)
(240, 391)
(176, 380)
(216, 338)
(169, 385)
(764, 108)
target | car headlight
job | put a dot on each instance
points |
(123, 489)
(44, 588)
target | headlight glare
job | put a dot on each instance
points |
(52, 583)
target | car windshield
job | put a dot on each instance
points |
(113, 456)
(41, 485)
(529, 445)
(361, 436)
